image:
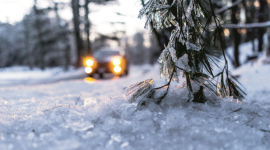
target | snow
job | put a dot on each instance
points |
(245, 50)
(24, 75)
(254, 75)
(93, 114)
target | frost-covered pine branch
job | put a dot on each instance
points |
(190, 51)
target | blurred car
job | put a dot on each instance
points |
(106, 61)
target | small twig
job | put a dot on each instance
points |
(53, 108)
(161, 86)
(168, 84)
(78, 100)
(180, 68)
(236, 110)
(265, 130)
(249, 121)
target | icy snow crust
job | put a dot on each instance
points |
(77, 114)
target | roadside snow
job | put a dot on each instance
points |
(23, 75)
(93, 114)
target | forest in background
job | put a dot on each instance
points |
(40, 40)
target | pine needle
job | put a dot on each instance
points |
(53, 108)
(236, 110)
(78, 100)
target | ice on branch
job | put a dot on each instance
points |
(157, 12)
(175, 34)
(191, 46)
(167, 60)
(146, 9)
(161, 6)
(188, 42)
(134, 91)
(188, 13)
(198, 12)
(183, 63)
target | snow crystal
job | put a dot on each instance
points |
(89, 101)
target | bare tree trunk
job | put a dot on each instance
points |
(87, 26)
(40, 43)
(236, 37)
(26, 44)
(249, 19)
(268, 45)
(63, 35)
(76, 21)
(263, 3)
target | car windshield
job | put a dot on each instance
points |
(103, 54)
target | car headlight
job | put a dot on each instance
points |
(88, 69)
(117, 69)
(89, 62)
(116, 61)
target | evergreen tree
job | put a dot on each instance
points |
(190, 51)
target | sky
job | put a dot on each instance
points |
(102, 15)
(12, 11)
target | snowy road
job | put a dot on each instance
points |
(92, 114)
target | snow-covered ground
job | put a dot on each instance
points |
(93, 114)
(23, 75)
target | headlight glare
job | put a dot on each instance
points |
(116, 61)
(117, 69)
(88, 69)
(89, 62)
